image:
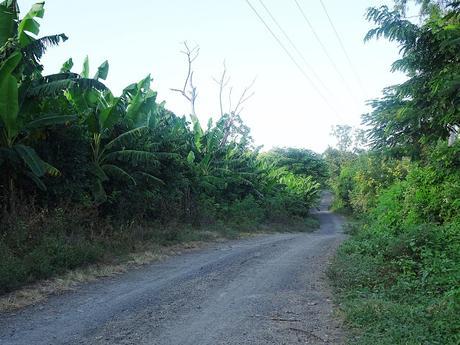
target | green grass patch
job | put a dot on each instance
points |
(400, 289)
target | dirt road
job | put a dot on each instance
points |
(265, 290)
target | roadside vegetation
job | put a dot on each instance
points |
(397, 278)
(87, 175)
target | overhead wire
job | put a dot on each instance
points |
(323, 47)
(294, 46)
(342, 46)
(293, 59)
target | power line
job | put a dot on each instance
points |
(292, 58)
(323, 47)
(312, 71)
(352, 67)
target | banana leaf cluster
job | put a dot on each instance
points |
(67, 137)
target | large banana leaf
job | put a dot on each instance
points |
(9, 65)
(141, 102)
(150, 177)
(8, 16)
(36, 48)
(198, 132)
(127, 138)
(102, 71)
(115, 171)
(47, 121)
(85, 72)
(57, 83)
(9, 106)
(133, 157)
(31, 159)
(167, 155)
(67, 66)
(28, 24)
(110, 115)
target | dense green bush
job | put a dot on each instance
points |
(243, 214)
(300, 162)
(37, 244)
(397, 278)
(361, 178)
(94, 168)
(401, 288)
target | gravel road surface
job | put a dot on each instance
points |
(269, 289)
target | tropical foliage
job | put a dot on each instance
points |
(397, 278)
(424, 109)
(86, 173)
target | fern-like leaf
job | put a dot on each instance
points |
(151, 178)
(127, 138)
(54, 84)
(38, 47)
(117, 172)
(133, 157)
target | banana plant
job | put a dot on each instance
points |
(20, 35)
(303, 186)
(105, 117)
(16, 156)
(140, 102)
(20, 53)
(203, 156)
(220, 163)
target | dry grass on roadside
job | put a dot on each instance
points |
(40, 291)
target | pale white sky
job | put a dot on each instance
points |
(144, 36)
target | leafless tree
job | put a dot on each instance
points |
(189, 90)
(233, 112)
(245, 95)
(222, 82)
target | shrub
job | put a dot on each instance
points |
(243, 214)
(37, 244)
(397, 277)
(401, 288)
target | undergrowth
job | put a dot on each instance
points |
(400, 289)
(37, 244)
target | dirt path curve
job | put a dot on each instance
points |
(265, 290)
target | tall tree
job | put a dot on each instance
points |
(426, 107)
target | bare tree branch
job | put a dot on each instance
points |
(189, 90)
(244, 97)
(230, 100)
(235, 112)
(222, 82)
